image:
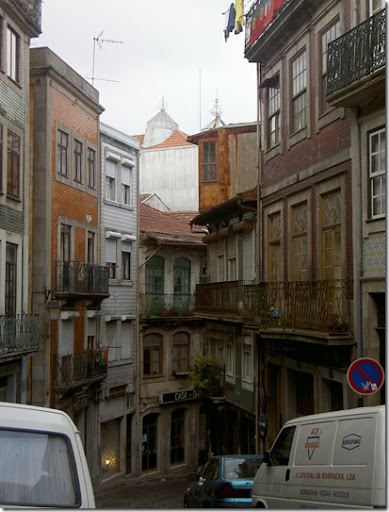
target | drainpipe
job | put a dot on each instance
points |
(357, 234)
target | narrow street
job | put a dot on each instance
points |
(147, 492)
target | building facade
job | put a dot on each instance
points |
(118, 320)
(168, 164)
(309, 237)
(68, 281)
(359, 87)
(171, 259)
(19, 326)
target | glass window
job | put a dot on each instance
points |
(62, 153)
(110, 180)
(10, 279)
(37, 470)
(152, 355)
(247, 362)
(327, 36)
(13, 165)
(78, 161)
(126, 265)
(126, 185)
(280, 452)
(180, 359)
(274, 112)
(13, 43)
(209, 161)
(377, 173)
(65, 242)
(91, 247)
(155, 275)
(92, 168)
(299, 245)
(274, 249)
(299, 92)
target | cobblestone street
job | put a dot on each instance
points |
(147, 492)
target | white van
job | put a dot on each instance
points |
(329, 460)
(42, 461)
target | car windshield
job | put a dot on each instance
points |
(36, 469)
(241, 468)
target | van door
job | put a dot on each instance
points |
(275, 478)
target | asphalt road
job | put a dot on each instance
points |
(147, 492)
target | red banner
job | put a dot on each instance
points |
(262, 17)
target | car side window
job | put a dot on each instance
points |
(280, 452)
(212, 470)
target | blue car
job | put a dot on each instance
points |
(225, 481)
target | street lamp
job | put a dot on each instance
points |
(53, 309)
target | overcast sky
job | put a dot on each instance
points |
(171, 49)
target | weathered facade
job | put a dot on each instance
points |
(307, 303)
(228, 162)
(19, 326)
(69, 283)
(228, 204)
(171, 260)
(118, 320)
(357, 83)
(168, 164)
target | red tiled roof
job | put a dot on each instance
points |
(176, 139)
(159, 225)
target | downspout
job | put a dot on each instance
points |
(258, 262)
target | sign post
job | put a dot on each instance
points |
(365, 376)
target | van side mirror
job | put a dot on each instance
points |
(267, 458)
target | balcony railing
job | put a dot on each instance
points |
(79, 278)
(33, 9)
(165, 305)
(356, 54)
(81, 368)
(323, 306)
(18, 334)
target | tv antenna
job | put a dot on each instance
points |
(100, 42)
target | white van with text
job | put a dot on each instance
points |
(328, 460)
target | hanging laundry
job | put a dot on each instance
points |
(239, 16)
(231, 22)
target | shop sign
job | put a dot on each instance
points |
(179, 396)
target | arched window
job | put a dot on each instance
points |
(180, 359)
(152, 355)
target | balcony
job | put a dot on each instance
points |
(164, 305)
(19, 335)
(356, 64)
(80, 369)
(78, 280)
(317, 306)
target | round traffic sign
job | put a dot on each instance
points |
(365, 376)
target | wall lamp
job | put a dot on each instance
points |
(53, 309)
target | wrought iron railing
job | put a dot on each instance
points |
(77, 277)
(356, 54)
(19, 334)
(324, 306)
(81, 367)
(33, 9)
(167, 305)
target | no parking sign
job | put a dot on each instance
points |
(365, 376)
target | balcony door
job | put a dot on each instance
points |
(155, 286)
(181, 284)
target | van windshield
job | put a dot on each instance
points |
(36, 469)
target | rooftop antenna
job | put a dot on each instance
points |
(100, 42)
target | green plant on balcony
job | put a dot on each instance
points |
(207, 376)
